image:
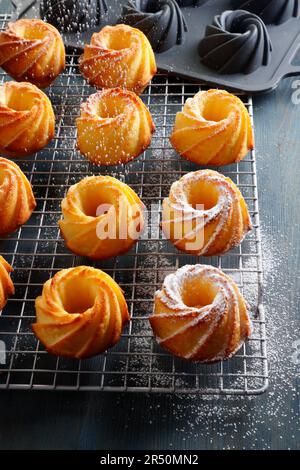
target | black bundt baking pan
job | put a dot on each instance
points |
(243, 45)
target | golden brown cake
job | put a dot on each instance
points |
(16, 197)
(32, 51)
(102, 217)
(118, 56)
(200, 315)
(6, 284)
(214, 129)
(27, 119)
(80, 313)
(205, 214)
(114, 127)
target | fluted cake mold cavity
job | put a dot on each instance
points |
(236, 42)
(162, 21)
(73, 15)
(270, 11)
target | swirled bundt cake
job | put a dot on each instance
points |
(270, 11)
(162, 21)
(114, 127)
(27, 119)
(236, 42)
(214, 128)
(73, 15)
(200, 315)
(80, 313)
(6, 285)
(32, 50)
(16, 197)
(118, 56)
(102, 217)
(205, 214)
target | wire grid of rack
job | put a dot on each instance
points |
(37, 252)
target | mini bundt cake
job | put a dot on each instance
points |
(114, 127)
(6, 285)
(214, 128)
(236, 42)
(205, 214)
(16, 197)
(81, 313)
(102, 217)
(118, 56)
(200, 315)
(270, 11)
(162, 21)
(32, 51)
(27, 120)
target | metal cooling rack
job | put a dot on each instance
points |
(37, 251)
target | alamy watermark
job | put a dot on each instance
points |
(296, 93)
(2, 353)
(123, 221)
(296, 353)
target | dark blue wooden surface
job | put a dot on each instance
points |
(42, 420)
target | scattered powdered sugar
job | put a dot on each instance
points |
(257, 421)
(229, 422)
